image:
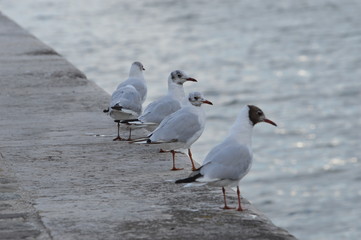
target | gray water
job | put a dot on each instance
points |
(300, 61)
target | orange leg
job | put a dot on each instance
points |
(173, 156)
(130, 134)
(191, 158)
(239, 200)
(224, 197)
(118, 138)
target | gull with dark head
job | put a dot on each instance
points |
(182, 128)
(228, 162)
(126, 101)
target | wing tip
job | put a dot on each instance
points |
(190, 179)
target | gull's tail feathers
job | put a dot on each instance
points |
(120, 108)
(135, 123)
(120, 113)
(130, 120)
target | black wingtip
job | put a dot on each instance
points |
(117, 107)
(106, 110)
(189, 179)
(149, 141)
(129, 120)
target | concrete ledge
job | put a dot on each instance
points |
(62, 177)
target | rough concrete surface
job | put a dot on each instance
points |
(62, 176)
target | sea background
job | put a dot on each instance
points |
(299, 61)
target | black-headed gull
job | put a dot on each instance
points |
(182, 128)
(228, 162)
(126, 101)
(156, 111)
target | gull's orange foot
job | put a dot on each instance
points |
(227, 208)
(176, 169)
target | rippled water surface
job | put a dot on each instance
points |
(300, 61)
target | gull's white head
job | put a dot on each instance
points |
(197, 99)
(179, 77)
(136, 70)
(256, 115)
(138, 66)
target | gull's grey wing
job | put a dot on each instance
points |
(213, 153)
(138, 84)
(128, 98)
(156, 111)
(179, 126)
(228, 161)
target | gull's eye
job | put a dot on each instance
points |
(259, 113)
(179, 75)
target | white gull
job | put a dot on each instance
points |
(182, 128)
(228, 162)
(126, 101)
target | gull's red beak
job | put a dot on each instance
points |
(192, 79)
(207, 102)
(270, 122)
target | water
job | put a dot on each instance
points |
(299, 61)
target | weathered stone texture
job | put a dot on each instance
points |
(62, 176)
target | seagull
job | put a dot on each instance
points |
(228, 162)
(182, 128)
(136, 79)
(156, 111)
(126, 101)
